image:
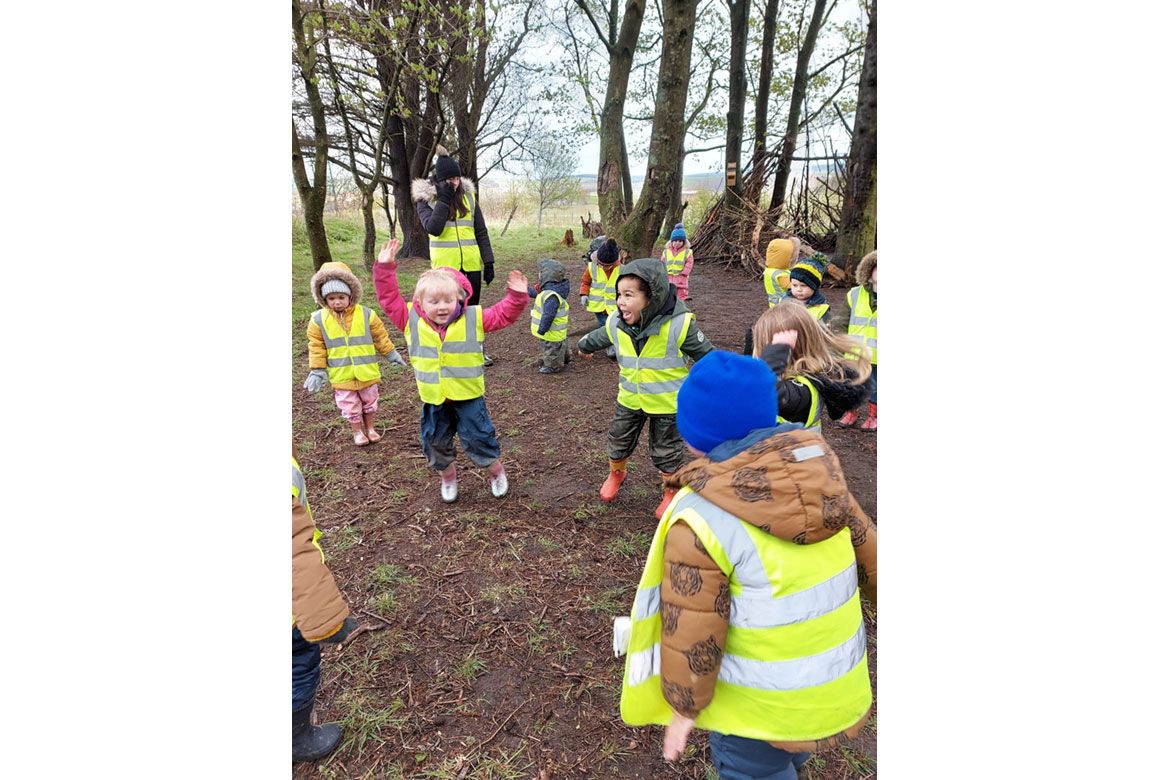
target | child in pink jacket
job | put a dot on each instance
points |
(679, 259)
(449, 371)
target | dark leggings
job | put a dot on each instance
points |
(476, 279)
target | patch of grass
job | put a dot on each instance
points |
(638, 491)
(499, 594)
(397, 494)
(547, 543)
(632, 544)
(859, 764)
(343, 538)
(470, 668)
(582, 513)
(538, 638)
(565, 652)
(610, 601)
(500, 766)
(391, 574)
(574, 571)
(385, 604)
(612, 751)
(367, 720)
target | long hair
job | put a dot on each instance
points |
(817, 351)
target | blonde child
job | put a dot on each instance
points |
(345, 340)
(679, 259)
(599, 283)
(444, 339)
(814, 369)
(550, 315)
(804, 285)
(653, 333)
(780, 256)
(860, 322)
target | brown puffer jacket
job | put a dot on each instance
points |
(317, 605)
(804, 501)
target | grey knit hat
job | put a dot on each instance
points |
(335, 286)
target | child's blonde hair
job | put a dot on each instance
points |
(817, 351)
(438, 280)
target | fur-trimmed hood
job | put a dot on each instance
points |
(424, 189)
(339, 271)
(865, 269)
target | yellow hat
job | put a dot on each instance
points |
(782, 251)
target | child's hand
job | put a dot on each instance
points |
(389, 253)
(784, 337)
(518, 281)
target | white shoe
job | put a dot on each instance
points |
(449, 490)
(500, 485)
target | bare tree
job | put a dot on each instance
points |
(304, 22)
(551, 180)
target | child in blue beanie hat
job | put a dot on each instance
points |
(705, 418)
(678, 259)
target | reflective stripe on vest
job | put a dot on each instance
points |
(813, 421)
(675, 263)
(350, 356)
(650, 381)
(863, 321)
(456, 246)
(559, 329)
(302, 498)
(794, 663)
(602, 288)
(447, 368)
(775, 284)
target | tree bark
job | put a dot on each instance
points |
(613, 165)
(674, 209)
(760, 143)
(640, 231)
(312, 193)
(799, 90)
(736, 95)
(857, 233)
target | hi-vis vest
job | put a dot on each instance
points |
(450, 368)
(350, 356)
(456, 246)
(650, 381)
(559, 330)
(813, 421)
(794, 666)
(675, 263)
(298, 492)
(863, 321)
(775, 284)
(602, 288)
(818, 311)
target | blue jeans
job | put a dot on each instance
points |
(873, 385)
(601, 316)
(438, 424)
(739, 758)
(306, 669)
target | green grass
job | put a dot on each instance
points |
(391, 574)
(498, 594)
(499, 766)
(611, 601)
(859, 764)
(470, 668)
(342, 539)
(547, 543)
(632, 544)
(385, 604)
(364, 721)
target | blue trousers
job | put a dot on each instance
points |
(601, 316)
(438, 424)
(873, 385)
(306, 669)
(738, 758)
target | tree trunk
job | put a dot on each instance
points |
(799, 89)
(674, 209)
(736, 94)
(640, 231)
(613, 165)
(312, 194)
(627, 178)
(760, 144)
(857, 233)
(415, 242)
(386, 206)
(370, 239)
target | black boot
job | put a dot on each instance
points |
(310, 742)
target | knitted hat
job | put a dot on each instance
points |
(335, 286)
(608, 254)
(445, 165)
(679, 233)
(810, 270)
(781, 252)
(707, 416)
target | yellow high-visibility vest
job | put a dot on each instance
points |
(675, 263)
(559, 330)
(794, 663)
(602, 288)
(456, 246)
(818, 311)
(813, 421)
(650, 381)
(350, 356)
(863, 321)
(302, 498)
(450, 367)
(775, 284)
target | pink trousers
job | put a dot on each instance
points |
(353, 403)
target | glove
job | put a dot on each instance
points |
(445, 192)
(349, 625)
(316, 380)
(395, 359)
(584, 300)
(489, 272)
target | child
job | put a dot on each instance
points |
(747, 621)
(550, 316)
(781, 253)
(804, 284)
(598, 284)
(862, 325)
(814, 369)
(444, 339)
(678, 259)
(319, 615)
(345, 339)
(654, 333)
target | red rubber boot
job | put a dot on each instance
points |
(870, 423)
(667, 497)
(849, 419)
(617, 474)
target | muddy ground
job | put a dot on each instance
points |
(486, 650)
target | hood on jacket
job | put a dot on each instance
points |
(662, 298)
(865, 268)
(782, 252)
(424, 189)
(787, 482)
(339, 271)
(550, 271)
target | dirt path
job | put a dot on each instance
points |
(488, 654)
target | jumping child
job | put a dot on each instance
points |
(862, 325)
(598, 284)
(345, 340)
(444, 339)
(804, 284)
(654, 333)
(678, 258)
(550, 316)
